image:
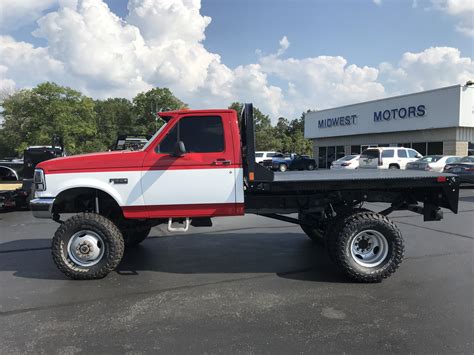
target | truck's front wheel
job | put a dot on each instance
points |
(87, 246)
(366, 246)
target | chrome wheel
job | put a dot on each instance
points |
(86, 248)
(283, 168)
(369, 248)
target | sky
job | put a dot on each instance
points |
(285, 56)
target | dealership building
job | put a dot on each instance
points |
(439, 121)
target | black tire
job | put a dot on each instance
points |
(104, 229)
(347, 227)
(134, 233)
(393, 166)
(311, 167)
(283, 167)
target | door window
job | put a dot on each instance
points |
(402, 153)
(412, 153)
(200, 134)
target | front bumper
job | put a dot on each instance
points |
(42, 207)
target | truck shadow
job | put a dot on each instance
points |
(288, 255)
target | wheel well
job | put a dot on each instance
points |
(393, 164)
(83, 199)
(8, 174)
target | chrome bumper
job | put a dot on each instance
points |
(42, 207)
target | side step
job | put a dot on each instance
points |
(178, 229)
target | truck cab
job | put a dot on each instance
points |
(191, 167)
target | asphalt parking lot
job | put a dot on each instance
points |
(248, 285)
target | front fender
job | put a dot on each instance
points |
(125, 194)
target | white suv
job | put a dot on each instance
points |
(387, 158)
(261, 156)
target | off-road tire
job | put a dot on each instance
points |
(134, 233)
(344, 230)
(108, 231)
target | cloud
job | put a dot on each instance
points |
(432, 68)
(463, 10)
(377, 2)
(16, 13)
(160, 43)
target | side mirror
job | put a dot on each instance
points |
(179, 149)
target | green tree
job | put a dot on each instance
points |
(32, 117)
(147, 104)
(113, 117)
(265, 138)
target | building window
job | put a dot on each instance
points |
(340, 152)
(420, 147)
(322, 158)
(435, 148)
(355, 149)
(470, 148)
(331, 156)
(405, 145)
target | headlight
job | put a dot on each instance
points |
(39, 180)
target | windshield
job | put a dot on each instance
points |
(430, 159)
(154, 136)
(466, 160)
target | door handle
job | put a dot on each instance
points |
(221, 162)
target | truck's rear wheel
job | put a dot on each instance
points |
(366, 246)
(87, 246)
(134, 233)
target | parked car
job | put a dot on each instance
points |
(464, 167)
(261, 156)
(284, 162)
(432, 162)
(347, 162)
(387, 158)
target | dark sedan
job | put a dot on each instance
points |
(464, 168)
(284, 162)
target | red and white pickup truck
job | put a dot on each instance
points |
(200, 165)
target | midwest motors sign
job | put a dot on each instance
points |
(400, 113)
(338, 121)
(378, 116)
